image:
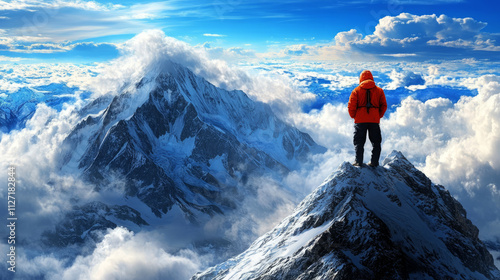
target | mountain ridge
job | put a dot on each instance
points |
(390, 222)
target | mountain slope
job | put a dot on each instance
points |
(391, 222)
(173, 140)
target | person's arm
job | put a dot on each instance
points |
(353, 104)
(383, 104)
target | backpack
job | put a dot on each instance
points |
(368, 101)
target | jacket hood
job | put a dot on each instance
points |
(365, 75)
(366, 79)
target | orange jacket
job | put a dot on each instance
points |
(357, 100)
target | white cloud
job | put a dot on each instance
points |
(478, 120)
(35, 152)
(18, 76)
(456, 145)
(406, 37)
(151, 50)
(233, 55)
(296, 50)
(56, 4)
(401, 78)
(47, 21)
(331, 126)
(417, 34)
(11, 59)
(347, 37)
(123, 255)
(427, 26)
(120, 255)
(213, 35)
(154, 10)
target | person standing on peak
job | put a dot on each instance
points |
(367, 105)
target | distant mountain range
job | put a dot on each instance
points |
(18, 107)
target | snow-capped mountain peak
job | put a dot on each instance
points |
(175, 141)
(390, 222)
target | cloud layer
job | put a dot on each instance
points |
(455, 143)
(121, 254)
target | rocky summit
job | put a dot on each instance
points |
(389, 222)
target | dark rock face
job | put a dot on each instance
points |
(390, 222)
(8, 120)
(180, 141)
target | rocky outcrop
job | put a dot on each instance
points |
(389, 222)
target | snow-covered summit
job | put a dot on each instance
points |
(390, 222)
(177, 142)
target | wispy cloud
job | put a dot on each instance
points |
(33, 5)
(213, 35)
(53, 47)
(11, 59)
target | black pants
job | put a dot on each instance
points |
(360, 130)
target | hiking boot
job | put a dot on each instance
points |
(372, 164)
(357, 164)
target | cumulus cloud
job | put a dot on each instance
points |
(35, 153)
(478, 118)
(430, 36)
(331, 126)
(408, 37)
(347, 37)
(456, 144)
(404, 79)
(121, 254)
(149, 51)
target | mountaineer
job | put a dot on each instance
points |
(367, 105)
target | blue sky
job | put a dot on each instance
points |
(92, 31)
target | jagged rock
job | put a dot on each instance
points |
(389, 222)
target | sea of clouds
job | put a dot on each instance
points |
(444, 117)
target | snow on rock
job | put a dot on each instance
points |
(389, 222)
(174, 140)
